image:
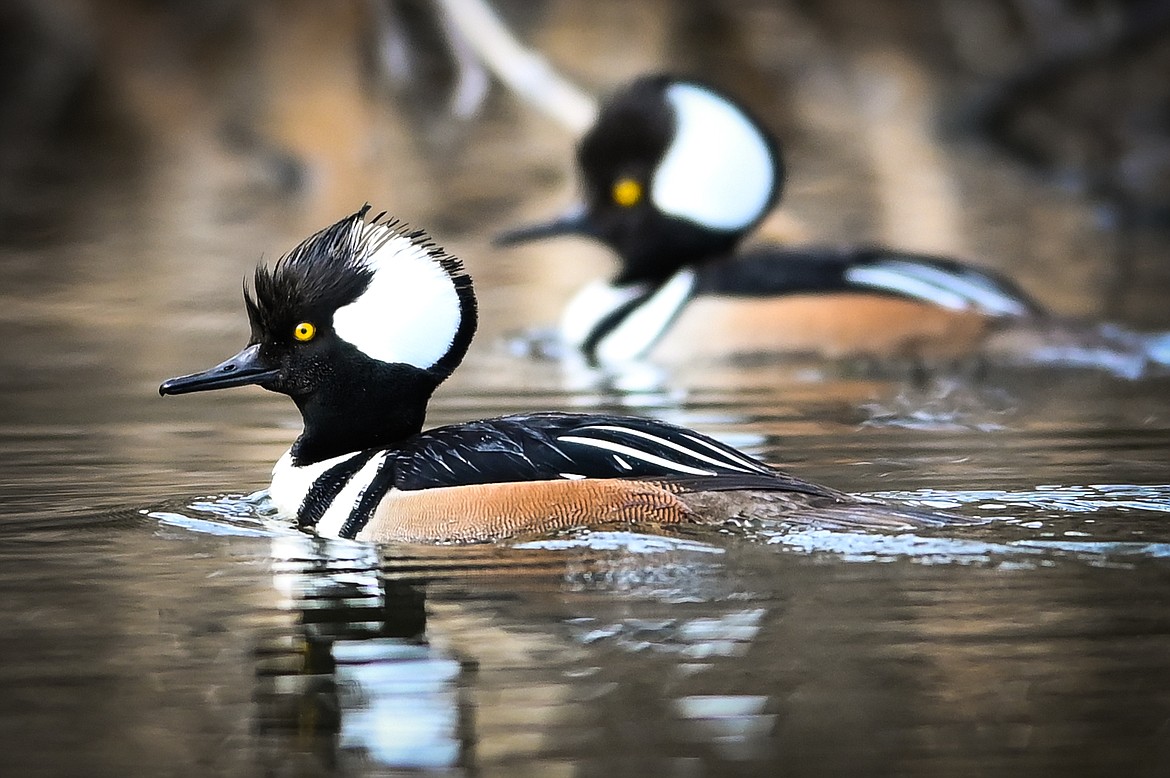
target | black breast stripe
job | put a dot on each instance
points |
(326, 488)
(381, 483)
(607, 325)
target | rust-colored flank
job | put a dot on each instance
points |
(835, 325)
(489, 511)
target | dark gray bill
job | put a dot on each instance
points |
(241, 370)
(572, 222)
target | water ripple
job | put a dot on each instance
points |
(1033, 511)
(862, 547)
(1090, 498)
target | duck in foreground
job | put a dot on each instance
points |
(674, 175)
(362, 321)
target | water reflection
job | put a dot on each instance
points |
(375, 673)
(359, 677)
(583, 656)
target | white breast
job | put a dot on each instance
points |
(593, 304)
(637, 333)
(633, 336)
(348, 498)
(290, 484)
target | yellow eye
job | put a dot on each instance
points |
(304, 331)
(627, 192)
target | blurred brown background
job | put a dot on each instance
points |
(138, 136)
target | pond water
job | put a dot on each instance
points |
(158, 621)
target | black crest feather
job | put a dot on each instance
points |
(327, 270)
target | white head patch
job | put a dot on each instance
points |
(410, 312)
(718, 170)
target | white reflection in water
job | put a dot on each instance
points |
(230, 514)
(194, 524)
(399, 702)
(402, 697)
(376, 655)
(397, 699)
(700, 638)
(735, 724)
(860, 547)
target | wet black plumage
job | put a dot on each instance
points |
(323, 273)
(532, 447)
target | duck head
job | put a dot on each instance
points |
(358, 325)
(673, 173)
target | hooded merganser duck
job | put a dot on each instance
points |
(675, 174)
(362, 321)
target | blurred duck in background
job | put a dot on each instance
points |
(675, 174)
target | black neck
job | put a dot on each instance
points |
(665, 246)
(378, 408)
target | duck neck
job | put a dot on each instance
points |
(375, 411)
(657, 257)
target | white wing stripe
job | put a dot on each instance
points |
(979, 289)
(634, 453)
(897, 281)
(758, 467)
(943, 287)
(726, 462)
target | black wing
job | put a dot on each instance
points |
(546, 446)
(772, 270)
